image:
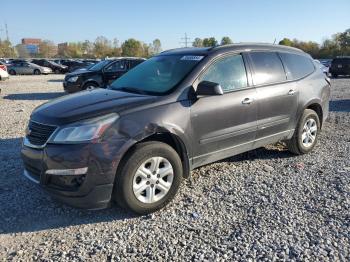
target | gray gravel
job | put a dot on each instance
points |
(262, 205)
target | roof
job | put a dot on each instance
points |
(231, 47)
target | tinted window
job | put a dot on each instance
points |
(229, 72)
(268, 68)
(297, 66)
(116, 67)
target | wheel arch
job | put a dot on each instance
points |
(169, 138)
(90, 81)
(316, 106)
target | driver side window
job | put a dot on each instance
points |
(229, 72)
(116, 67)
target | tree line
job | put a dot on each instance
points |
(100, 48)
(337, 45)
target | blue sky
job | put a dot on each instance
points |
(243, 21)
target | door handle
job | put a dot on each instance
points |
(247, 100)
(291, 92)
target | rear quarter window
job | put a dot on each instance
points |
(297, 66)
(268, 68)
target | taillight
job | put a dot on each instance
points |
(3, 67)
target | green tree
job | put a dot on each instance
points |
(286, 41)
(155, 47)
(226, 41)
(132, 47)
(102, 47)
(210, 42)
(197, 42)
(47, 49)
(6, 49)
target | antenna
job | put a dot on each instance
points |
(186, 40)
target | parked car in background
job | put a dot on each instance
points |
(340, 66)
(27, 68)
(3, 74)
(100, 74)
(56, 68)
(73, 64)
(326, 62)
(324, 69)
(135, 141)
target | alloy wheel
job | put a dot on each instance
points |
(153, 180)
(309, 132)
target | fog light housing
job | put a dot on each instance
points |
(67, 172)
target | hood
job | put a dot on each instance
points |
(87, 104)
(79, 72)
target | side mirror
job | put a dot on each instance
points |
(207, 88)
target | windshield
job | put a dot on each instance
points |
(99, 65)
(156, 75)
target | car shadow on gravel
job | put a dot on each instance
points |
(277, 151)
(55, 80)
(339, 105)
(34, 96)
(26, 207)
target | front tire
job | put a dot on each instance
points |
(12, 72)
(149, 177)
(306, 134)
(90, 86)
(37, 72)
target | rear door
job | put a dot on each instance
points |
(113, 71)
(226, 124)
(277, 99)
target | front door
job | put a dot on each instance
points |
(114, 71)
(226, 124)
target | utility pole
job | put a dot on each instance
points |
(7, 32)
(185, 40)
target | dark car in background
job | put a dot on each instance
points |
(135, 142)
(73, 64)
(56, 68)
(340, 66)
(100, 74)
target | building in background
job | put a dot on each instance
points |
(30, 46)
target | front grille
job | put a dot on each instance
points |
(39, 133)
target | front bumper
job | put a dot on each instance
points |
(70, 87)
(92, 190)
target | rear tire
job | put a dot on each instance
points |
(12, 72)
(306, 134)
(57, 71)
(37, 72)
(148, 178)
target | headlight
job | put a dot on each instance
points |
(84, 131)
(73, 79)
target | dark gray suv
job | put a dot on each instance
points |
(134, 142)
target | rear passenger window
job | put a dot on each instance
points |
(229, 72)
(268, 68)
(297, 66)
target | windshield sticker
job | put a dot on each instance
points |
(192, 57)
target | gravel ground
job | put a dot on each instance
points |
(262, 205)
